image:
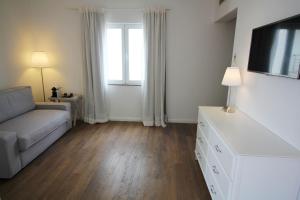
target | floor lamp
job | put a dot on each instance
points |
(40, 60)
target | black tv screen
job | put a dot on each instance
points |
(275, 48)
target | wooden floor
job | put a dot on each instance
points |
(114, 161)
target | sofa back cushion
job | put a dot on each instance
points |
(15, 101)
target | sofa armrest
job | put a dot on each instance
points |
(10, 162)
(53, 106)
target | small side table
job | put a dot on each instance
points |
(75, 105)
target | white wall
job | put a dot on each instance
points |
(272, 101)
(198, 52)
(125, 103)
(221, 11)
(56, 30)
(11, 32)
(15, 45)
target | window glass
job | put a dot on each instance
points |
(135, 54)
(125, 53)
(115, 54)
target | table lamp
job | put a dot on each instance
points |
(40, 60)
(232, 78)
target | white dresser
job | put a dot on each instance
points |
(242, 160)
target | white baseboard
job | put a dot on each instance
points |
(148, 123)
(92, 121)
(125, 119)
(136, 119)
(185, 121)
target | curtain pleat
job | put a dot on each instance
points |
(95, 109)
(154, 82)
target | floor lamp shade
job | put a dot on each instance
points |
(40, 60)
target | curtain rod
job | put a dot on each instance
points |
(112, 9)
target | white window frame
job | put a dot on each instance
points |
(125, 54)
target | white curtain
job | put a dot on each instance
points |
(95, 109)
(154, 83)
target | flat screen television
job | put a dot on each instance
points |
(275, 49)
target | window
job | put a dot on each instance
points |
(125, 53)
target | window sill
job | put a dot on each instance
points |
(117, 84)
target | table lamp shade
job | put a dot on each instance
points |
(232, 77)
(39, 59)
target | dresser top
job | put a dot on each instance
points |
(246, 136)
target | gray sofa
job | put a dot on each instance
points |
(27, 128)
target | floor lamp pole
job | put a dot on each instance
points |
(43, 84)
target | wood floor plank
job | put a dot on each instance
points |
(114, 161)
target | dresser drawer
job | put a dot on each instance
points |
(200, 157)
(202, 124)
(213, 187)
(202, 141)
(218, 173)
(222, 153)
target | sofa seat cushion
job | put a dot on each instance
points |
(33, 126)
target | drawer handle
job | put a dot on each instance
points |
(212, 189)
(198, 154)
(200, 139)
(217, 148)
(202, 124)
(214, 169)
